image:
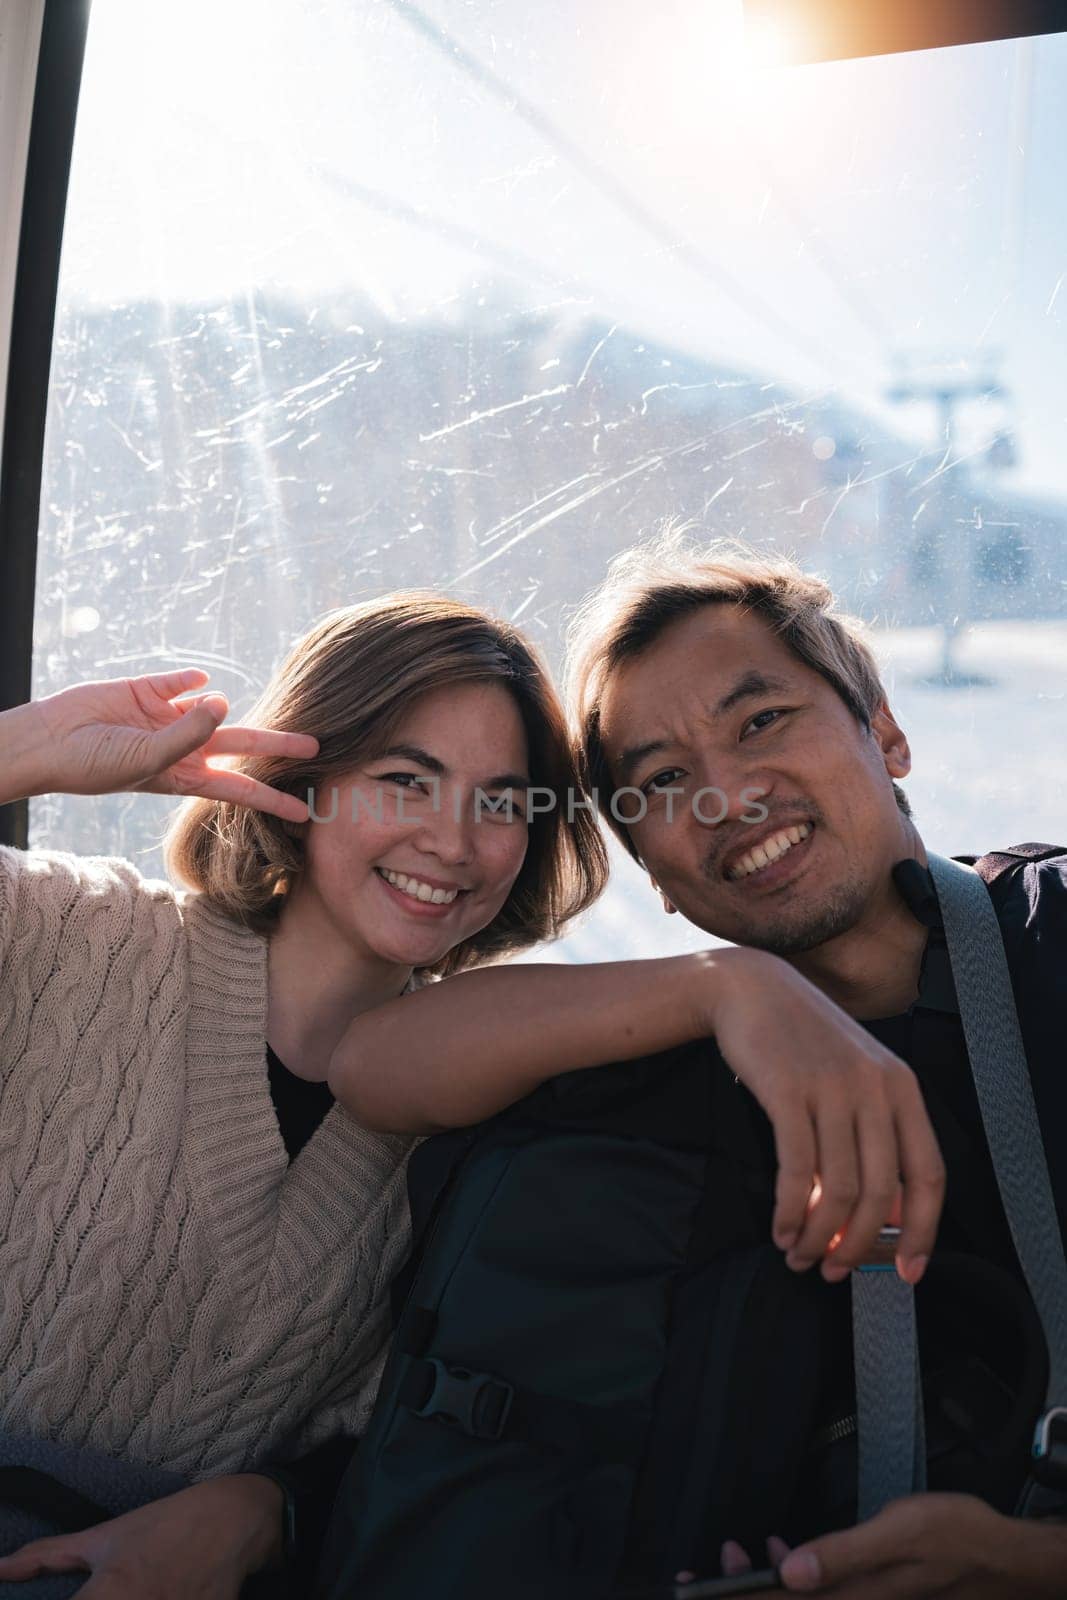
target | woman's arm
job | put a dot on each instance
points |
(204, 1541)
(843, 1108)
(310, 1484)
(23, 755)
(456, 1052)
(136, 734)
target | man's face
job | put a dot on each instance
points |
(719, 703)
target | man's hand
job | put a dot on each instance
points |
(199, 1544)
(842, 1107)
(950, 1546)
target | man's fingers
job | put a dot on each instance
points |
(777, 1550)
(862, 1552)
(794, 1139)
(733, 1558)
(922, 1171)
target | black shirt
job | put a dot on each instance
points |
(299, 1105)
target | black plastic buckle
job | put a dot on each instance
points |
(475, 1402)
(1050, 1449)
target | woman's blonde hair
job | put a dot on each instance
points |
(349, 682)
(670, 576)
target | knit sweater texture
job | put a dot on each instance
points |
(172, 1290)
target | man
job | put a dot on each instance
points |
(704, 683)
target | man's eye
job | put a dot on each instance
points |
(662, 780)
(765, 719)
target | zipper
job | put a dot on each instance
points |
(843, 1428)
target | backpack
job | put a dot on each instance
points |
(602, 1368)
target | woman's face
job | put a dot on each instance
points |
(417, 849)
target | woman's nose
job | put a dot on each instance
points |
(449, 834)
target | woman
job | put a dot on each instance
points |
(178, 1290)
(252, 1311)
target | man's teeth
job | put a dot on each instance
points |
(418, 890)
(769, 850)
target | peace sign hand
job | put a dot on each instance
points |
(131, 734)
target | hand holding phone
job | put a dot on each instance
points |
(740, 1583)
(708, 1588)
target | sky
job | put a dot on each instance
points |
(831, 226)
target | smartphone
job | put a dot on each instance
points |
(742, 1583)
(708, 1588)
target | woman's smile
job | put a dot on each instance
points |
(418, 896)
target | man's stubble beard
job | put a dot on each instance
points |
(797, 929)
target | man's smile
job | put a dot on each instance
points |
(768, 846)
(775, 857)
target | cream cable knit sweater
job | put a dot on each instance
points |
(171, 1289)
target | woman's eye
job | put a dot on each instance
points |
(404, 780)
(507, 806)
(662, 780)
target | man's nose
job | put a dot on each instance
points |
(733, 792)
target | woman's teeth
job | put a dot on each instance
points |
(769, 850)
(418, 890)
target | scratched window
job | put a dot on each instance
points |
(359, 294)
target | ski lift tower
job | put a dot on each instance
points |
(947, 385)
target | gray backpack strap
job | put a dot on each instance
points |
(890, 1435)
(1006, 1101)
(888, 1387)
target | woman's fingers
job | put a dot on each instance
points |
(922, 1170)
(43, 1556)
(241, 790)
(837, 1164)
(879, 1173)
(794, 1140)
(170, 684)
(193, 729)
(234, 739)
(239, 741)
(877, 1161)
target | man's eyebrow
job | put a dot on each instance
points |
(747, 687)
(633, 757)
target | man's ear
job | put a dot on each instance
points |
(896, 753)
(668, 908)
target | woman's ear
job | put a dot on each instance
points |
(668, 908)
